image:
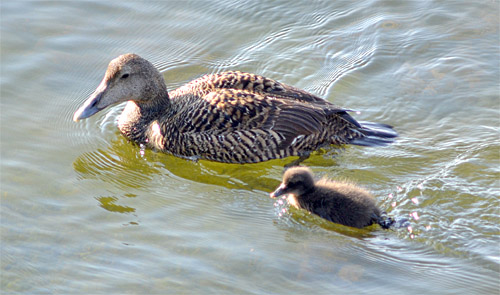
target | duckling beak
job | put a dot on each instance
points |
(279, 191)
(89, 107)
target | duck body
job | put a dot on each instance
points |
(231, 117)
(338, 202)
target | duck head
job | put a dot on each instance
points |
(129, 77)
(296, 181)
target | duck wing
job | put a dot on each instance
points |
(220, 111)
(245, 81)
(228, 110)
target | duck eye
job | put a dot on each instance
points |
(124, 76)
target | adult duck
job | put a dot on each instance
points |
(231, 117)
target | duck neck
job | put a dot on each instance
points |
(305, 192)
(302, 198)
(155, 106)
(308, 190)
(138, 115)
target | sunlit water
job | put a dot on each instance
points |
(83, 211)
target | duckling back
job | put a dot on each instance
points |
(343, 203)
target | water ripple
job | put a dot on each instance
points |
(429, 68)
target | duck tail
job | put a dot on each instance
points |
(375, 134)
(387, 222)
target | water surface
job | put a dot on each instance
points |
(84, 211)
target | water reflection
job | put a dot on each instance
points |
(119, 164)
(109, 203)
(128, 166)
(295, 220)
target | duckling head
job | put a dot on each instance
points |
(296, 181)
(129, 77)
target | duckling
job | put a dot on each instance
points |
(338, 202)
(231, 117)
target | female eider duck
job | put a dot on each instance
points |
(338, 202)
(230, 117)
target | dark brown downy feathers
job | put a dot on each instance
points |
(339, 202)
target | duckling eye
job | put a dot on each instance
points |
(125, 76)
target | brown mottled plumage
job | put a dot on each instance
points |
(339, 202)
(231, 117)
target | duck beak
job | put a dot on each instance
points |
(89, 107)
(279, 191)
(93, 104)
